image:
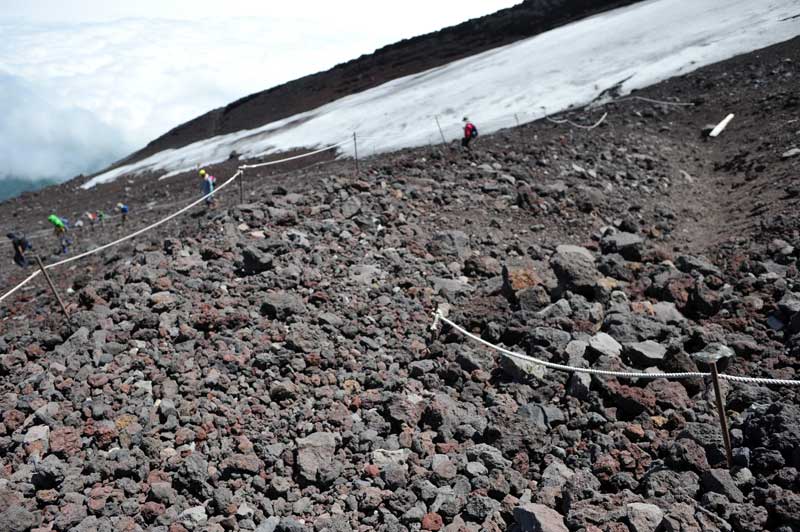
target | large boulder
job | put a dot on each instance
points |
(255, 261)
(575, 270)
(628, 245)
(450, 243)
(533, 517)
(315, 453)
(281, 305)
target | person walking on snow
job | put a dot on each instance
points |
(60, 231)
(20, 245)
(208, 186)
(470, 132)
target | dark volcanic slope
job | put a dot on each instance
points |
(267, 366)
(397, 60)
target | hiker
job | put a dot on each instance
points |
(60, 231)
(208, 186)
(470, 132)
(92, 219)
(20, 245)
(526, 197)
(101, 217)
(123, 209)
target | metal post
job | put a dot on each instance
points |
(53, 288)
(241, 188)
(444, 142)
(723, 419)
(355, 149)
(711, 355)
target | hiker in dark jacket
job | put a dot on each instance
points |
(123, 210)
(470, 132)
(20, 245)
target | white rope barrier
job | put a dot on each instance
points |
(270, 163)
(579, 126)
(98, 249)
(144, 229)
(20, 285)
(651, 100)
(624, 374)
(759, 380)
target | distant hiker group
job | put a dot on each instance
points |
(95, 218)
(61, 230)
(61, 225)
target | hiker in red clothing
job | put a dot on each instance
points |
(470, 132)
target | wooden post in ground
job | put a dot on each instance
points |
(241, 188)
(53, 288)
(355, 150)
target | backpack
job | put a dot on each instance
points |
(474, 131)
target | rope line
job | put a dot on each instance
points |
(651, 100)
(144, 229)
(270, 163)
(579, 126)
(235, 176)
(20, 285)
(624, 374)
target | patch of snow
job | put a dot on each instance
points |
(633, 47)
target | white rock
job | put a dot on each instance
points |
(605, 344)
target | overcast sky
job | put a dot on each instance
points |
(84, 82)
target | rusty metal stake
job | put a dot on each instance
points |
(712, 354)
(723, 419)
(53, 288)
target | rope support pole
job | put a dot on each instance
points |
(355, 150)
(444, 142)
(241, 188)
(723, 418)
(53, 289)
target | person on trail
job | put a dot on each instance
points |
(470, 132)
(526, 197)
(92, 219)
(208, 186)
(101, 217)
(20, 245)
(60, 231)
(123, 210)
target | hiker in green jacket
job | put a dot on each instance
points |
(60, 231)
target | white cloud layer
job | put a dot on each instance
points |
(77, 95)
